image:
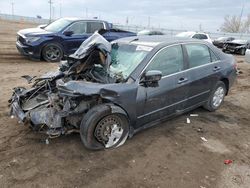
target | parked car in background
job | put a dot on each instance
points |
(219, 42)
(108, 92)
(236, 46)
(247, 56)
(150, 32)
(195, 35)
(62, 37)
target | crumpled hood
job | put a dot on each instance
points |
(33, 32)
(75, 88)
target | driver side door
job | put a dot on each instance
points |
(169, 97)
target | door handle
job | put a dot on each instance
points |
(182, 80)
(216, 68)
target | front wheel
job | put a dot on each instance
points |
(52, 52)
(216, 97)
(101, 128)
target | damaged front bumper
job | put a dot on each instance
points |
(57, 101)
(35, 112)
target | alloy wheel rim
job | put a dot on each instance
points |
(53, 53)
(218, 96)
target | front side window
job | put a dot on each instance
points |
(94, 26)
(57, 25)
(198, 54)
(168, 61)
(78, 28)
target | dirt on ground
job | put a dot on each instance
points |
(172, 154)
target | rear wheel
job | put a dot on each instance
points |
(216, 98)
(52, 52)
(242, 51)
(100, 128)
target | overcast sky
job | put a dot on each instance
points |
(172, 14)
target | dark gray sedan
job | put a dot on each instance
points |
(132, 84)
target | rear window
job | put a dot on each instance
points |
(94, 26)
(200, 36)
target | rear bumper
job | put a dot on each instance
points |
(28, 51)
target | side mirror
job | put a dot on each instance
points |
(151, 78)
(68, 33)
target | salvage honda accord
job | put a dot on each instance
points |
(109, 91)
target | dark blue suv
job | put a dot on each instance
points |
(62, 37)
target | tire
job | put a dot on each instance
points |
(95, 121)
(214, 103)
(242, 51)
(52, 52)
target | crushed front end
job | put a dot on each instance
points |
(50, 106)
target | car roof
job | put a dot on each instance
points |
(156, 40)
(81, 19)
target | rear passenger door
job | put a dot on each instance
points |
(72, 43)
(93, 26)
(203, 72)
(154, 103)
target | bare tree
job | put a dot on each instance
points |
(231, 24)
(235, 24)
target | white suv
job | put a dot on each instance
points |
(195, 35)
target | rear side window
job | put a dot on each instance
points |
(203, 36)
(198, 54)
(213, 56)
(168, 61)
(94, 26)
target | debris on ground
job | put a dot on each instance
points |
(12, 163)
(47, 141)
(188, 120)
(200, 130)
(228, 161)
(194, 115)
(204, 139)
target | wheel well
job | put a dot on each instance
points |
(226, 82)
